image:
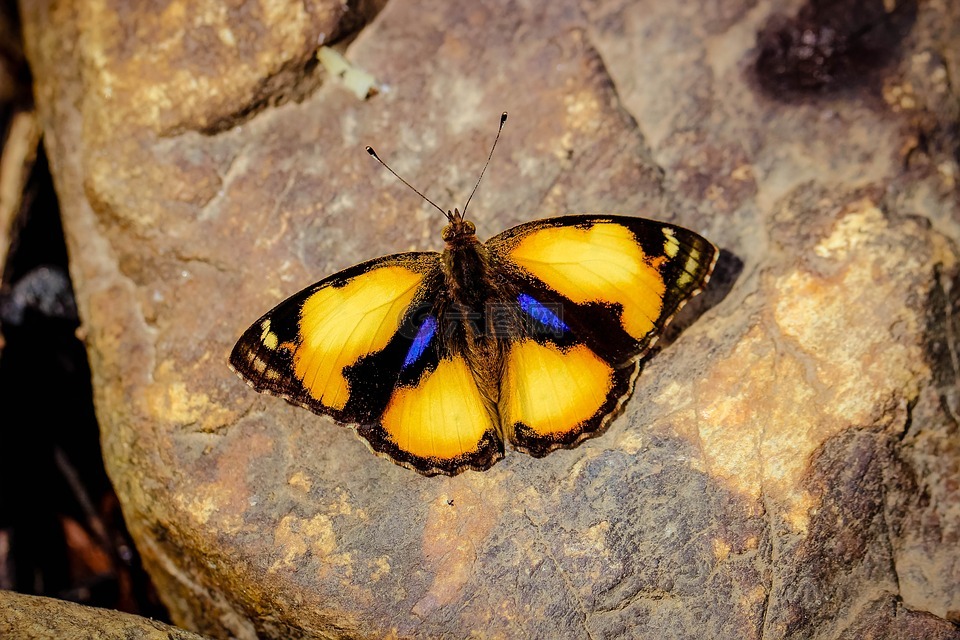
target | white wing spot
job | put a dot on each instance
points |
(670, 246)
(268, 338)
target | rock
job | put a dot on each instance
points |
(24, 617)
(787, 467)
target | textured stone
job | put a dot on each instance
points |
(25, 617)
(787, 467)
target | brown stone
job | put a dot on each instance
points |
(787, 467)
(25, 617)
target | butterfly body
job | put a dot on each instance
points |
(533, 337)
(470, 289)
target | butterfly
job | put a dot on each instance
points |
(534, 337)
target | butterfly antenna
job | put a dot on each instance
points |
(503, 118)
(377, 158)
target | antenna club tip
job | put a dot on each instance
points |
(503, 117)
(371, 151)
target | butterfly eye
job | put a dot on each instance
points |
(470, 227)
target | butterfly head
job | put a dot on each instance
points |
(459, 231)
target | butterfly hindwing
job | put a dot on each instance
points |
(365, 346)
(436, 420)
(557, 392)
(596, 292)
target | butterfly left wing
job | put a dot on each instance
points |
(595, 293)
(364, 347)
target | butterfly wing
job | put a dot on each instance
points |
(595, 292)
(364, 347)
(436, 420)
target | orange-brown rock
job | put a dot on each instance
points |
(787, 467)
(24, 617)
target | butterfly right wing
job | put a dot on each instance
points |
(365, 346)
(595, 292)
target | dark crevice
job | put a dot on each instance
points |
(64, 532)
(941, 343)
(907, 418)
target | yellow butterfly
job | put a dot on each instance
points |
(533, 337)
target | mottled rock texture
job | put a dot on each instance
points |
(788, 467)
(33, 618)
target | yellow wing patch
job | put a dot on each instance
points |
(338, 325)
(443, 417)
(603, 264)
(550, 390)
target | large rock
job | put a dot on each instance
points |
(787, 467)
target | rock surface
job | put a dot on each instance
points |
(25, 617)
(787, 467)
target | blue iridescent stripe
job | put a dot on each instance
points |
(421, 342)
(541, 313)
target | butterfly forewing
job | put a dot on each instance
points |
(308, 349)
(597, 292)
